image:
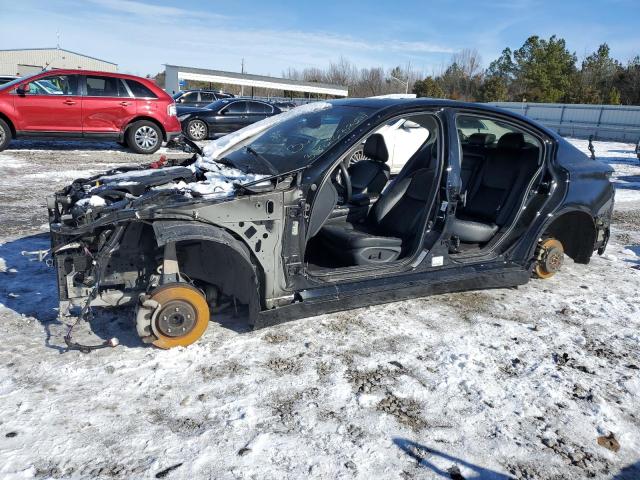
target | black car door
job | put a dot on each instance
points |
(232, 117)
(257, 111)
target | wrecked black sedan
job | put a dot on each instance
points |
(282, 217)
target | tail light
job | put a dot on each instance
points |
(171, 110)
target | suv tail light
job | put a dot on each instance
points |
(171, 110)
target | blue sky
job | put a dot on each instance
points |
(142, 35)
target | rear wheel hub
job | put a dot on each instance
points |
(550, 258)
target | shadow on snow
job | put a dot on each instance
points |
(425, 456)
(29, 288)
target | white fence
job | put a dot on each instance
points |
(604, 122)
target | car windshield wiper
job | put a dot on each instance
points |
(272, 170)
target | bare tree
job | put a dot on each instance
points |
(469, 61)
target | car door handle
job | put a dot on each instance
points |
(69, 102)
(125, 104)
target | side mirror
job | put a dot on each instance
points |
(23, 89)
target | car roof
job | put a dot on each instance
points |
(70, 71)
(204, 90)
(382, 103)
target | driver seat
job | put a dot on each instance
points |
(369, 177)
(392, 223)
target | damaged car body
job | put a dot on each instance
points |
(281, 218)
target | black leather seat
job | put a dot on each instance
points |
(369, 177)
(392, 222)
(493, 194)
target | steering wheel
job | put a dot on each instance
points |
(345, 183)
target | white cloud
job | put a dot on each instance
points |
(141, 37)
(147, 9)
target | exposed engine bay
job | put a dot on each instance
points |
(104, 245)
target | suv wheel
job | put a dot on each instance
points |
(197, 130)
(144, 137)
(5, 135)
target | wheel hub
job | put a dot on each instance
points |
(197, 130)
(176, 318)
(553, 261)
(146, 137)
(177, 315)
(550, 258)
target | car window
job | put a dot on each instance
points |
(139, 90)
(54, 85)
(469, 125)
(105, 87)
(236, 107)
(259, 107)
(190, 97)
(207, 97)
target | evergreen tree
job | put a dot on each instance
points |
(494, 89)
(598, 74)
(545, 69)
(428, 88)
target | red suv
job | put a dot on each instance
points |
(81, 104)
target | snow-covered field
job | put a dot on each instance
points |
(511, 383)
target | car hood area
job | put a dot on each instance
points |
(106, 197)
(123, 191)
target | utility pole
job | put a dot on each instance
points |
(242, 71)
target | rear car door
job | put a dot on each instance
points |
(232, 117)
(52, 104)
(257, 111)
(107, 106)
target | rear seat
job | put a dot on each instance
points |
(474, 155)
(492, 193)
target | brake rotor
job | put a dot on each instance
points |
(549, 258)
(183, 315)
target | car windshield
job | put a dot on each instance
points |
(296, 141)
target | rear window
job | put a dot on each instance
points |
(105, 87)
(237, 107)
(257, 107)
(139, 90)
(207, 97)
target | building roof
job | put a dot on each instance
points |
(55, 50)
(248, 79)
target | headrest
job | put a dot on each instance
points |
(482, 139)
(512, 140)
(375, 148)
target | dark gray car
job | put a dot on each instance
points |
(277, 218)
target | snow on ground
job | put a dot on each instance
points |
(508, 383)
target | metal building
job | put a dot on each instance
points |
(32, 60)
(174, 74)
